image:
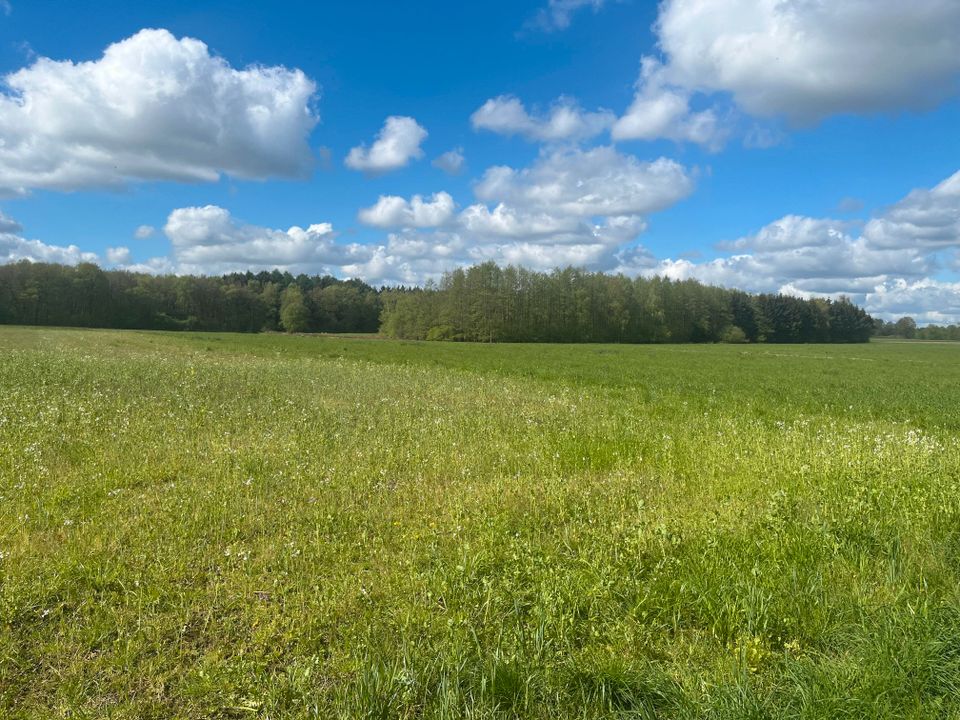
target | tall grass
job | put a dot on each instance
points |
(225, 526)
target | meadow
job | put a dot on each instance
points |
(264, 526)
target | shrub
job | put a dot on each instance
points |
(733, 335)
(440, 332)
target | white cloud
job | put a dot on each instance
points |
(570, 207)
(584, 183)
(153, 107)
(924, 218)
(807, 59)
(543, 257)
(397, 143)
(792, 232)
(507, 221)
(886, 267)
(153, 266)
(209, 240)
(558, 14)
(393, 211)
(527, 241)
(118, 255)
(815, 255)
(565, 120)
(14, 247)
(927, 301)
(451, 162)
(144, 232)
(411, 257)
(802, 60)
(661, 110)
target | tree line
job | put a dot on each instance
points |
(87, 296)
(906, 327)
(487, 303)
(483, 303)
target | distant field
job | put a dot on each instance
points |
(229, 526)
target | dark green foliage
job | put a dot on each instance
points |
(86, 296)
(486, 303)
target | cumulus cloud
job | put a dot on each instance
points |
(569, 207)
(393, 211)
(565, 120)
(144, 232)
(14, 247)
(593, 245)
(927, 301)
(397, 143)
(807, 60)
(792, 232)
(586, 208)
(662, 110)
(886, 263)
(507, 221)
(802, 60)
(209, 240)
(558, 14)
(411, 256)
(843, 265)
(451, 162)
(153, 107)
(118, 255)
(582, 183)
(803, 254)
(924, 218)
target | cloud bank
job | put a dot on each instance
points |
(888, 266)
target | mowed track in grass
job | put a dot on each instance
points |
(219, 526)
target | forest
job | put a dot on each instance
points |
(483, 303)
(87, 296)
(486, 303)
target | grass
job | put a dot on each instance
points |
(226, 526)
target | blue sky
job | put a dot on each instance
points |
(801, 146)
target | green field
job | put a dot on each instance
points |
(229, 526)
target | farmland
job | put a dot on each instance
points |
(230, 526)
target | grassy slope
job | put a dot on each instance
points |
(233, 526)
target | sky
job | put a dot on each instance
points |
(808, 147)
